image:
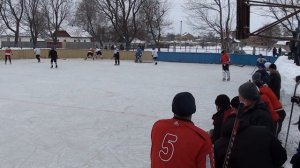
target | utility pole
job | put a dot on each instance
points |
(297, 45)
(1, 8)
(180, 33)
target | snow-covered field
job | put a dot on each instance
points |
(91, 114)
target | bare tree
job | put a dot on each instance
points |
(155, 12)
(12, 12)
(272, 32)
(56, 12)
(34, 19)
(212, 15)
(123, 16)
(90, 18)
(280, 12)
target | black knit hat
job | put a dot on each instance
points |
(222, 101)
(273, 66)
(184, 104)
(235, 102)
(249, 91)
(256, 77)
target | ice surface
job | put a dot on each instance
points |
(91, 114)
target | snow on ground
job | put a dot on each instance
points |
(289, 71)
(89, 114)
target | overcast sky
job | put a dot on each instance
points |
(176, 14)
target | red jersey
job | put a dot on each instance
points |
(267, 101)
(274, 100)
(179, 143)
(225, 58)
(91, 50)
(8, 51)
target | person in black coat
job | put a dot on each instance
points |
(53, 56)
(275, 52)
(254, 147)
(224, 110)
(255, 110)
(264, 74)
(275, 80)
(295, 161)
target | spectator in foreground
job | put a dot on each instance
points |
(177, 142)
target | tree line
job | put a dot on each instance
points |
(106, 20)
(218, 16)
(124, 20)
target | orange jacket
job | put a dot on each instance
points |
(267, 101)
(179, 143)
(271, 95)
(225, 58)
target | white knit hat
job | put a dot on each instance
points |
(267, 65)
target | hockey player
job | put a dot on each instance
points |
(90, 53)
(53, 56)
(225, 61)
(8, 54)
(154, 55)
(260, 60)
(117, 56)
(177, 142)
(98, 53)
(138, 55)
(37, 53)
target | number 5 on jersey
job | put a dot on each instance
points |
(167, 151)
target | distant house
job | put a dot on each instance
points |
(68, 34)
(259, 41)
(186, 37)
(7, 38)
(73, 34)
(283, 44)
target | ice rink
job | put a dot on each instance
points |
(92, 114)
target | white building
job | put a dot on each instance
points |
(68, 34)
(73, 34)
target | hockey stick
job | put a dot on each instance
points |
(233, 135)
(253, 70)
(292, 109)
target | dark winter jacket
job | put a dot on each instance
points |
(219, 119)
(295, 161)
(275, 83)
(53, 54)
(258, 114)
(265, 77)
(254, 147)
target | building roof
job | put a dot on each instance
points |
(62, 33)
(74, 31)
(282, 42)
(22, 33)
